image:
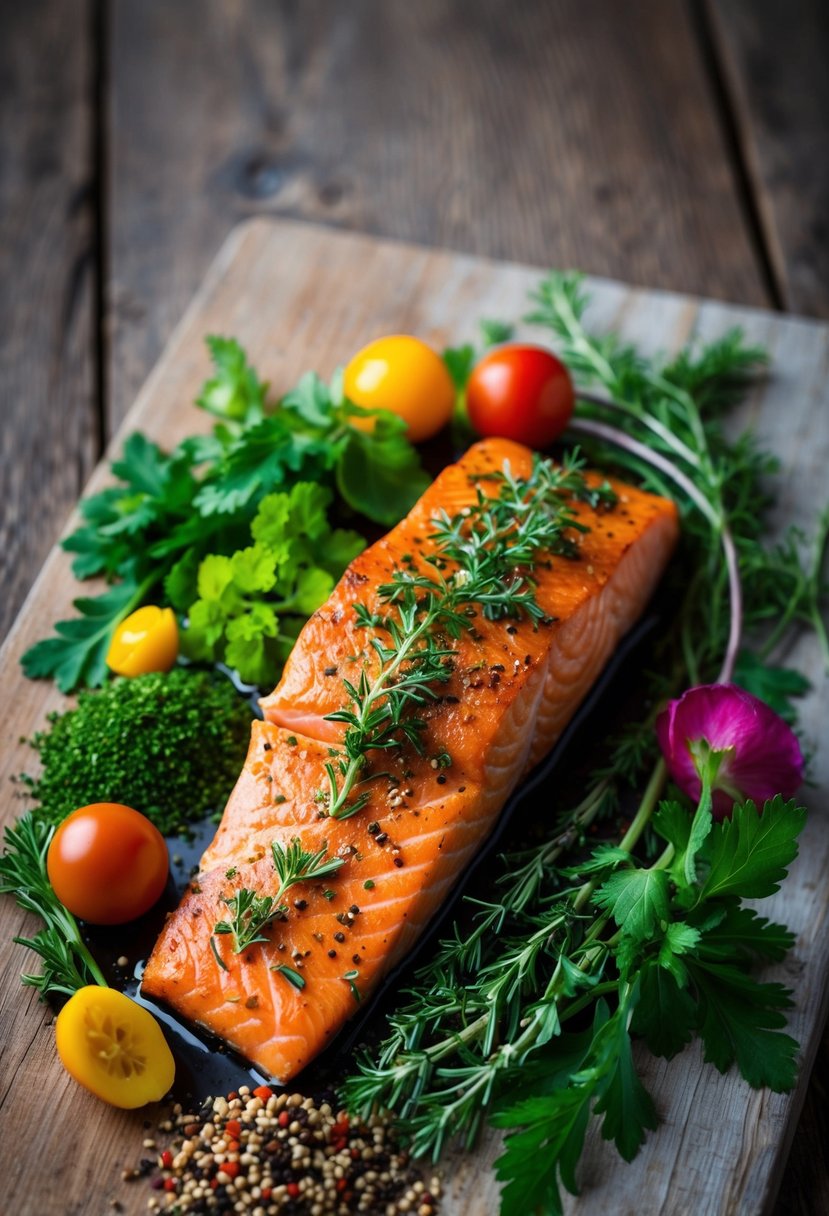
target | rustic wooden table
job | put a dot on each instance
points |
(671, 143)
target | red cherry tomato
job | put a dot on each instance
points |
(520, 392)
(107, 863)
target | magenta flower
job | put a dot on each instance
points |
(751, 751)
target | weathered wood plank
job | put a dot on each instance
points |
(48, 440)
(554, 133)
(286, 290)
(774, 54)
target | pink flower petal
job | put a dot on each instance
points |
(765, 757)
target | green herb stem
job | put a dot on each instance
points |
(68, 963)
(492, 547)
(341, 792)
(653, 424)
(716, 519)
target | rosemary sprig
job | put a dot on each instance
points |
(295, 865)
(67, 962)
(483, 561)
(253, 913)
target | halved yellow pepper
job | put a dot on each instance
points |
(114, 1048)
(146, 641)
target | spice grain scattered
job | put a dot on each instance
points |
(267, 1153)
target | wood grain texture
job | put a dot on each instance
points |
(557, 133)
(284, 289)
(775, 54)
(49, 417)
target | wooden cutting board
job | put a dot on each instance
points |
(302, 297)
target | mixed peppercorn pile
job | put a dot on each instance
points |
(264, 1153)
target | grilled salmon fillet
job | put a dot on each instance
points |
(513, 688)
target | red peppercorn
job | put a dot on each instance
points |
(166, 1158)
(232, 1096)
(340, 1128)
(233, 1128)
(266, 1193)
(231, 1168)
(341, 1184)
(263, 1091)
(284, 1118)
(293, 1189)
(169, 1184)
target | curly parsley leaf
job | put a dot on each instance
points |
(666, 1014)
(741, 934)
(749, 854)
(264, 457)
(545, 1148)
(76, 655)
(627, 1106)
(379, 472)
(252, 603)
(234, 393)
(740, 1022)
(777, 686)
(636, 899)
(459, 362)
(673, 823)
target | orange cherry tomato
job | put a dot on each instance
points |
(107, 863)
(146, 641)
(405, 376)
(114, 1048)
(520, 392)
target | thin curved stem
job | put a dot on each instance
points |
(653, 424)
(735, 590)
(611, 434)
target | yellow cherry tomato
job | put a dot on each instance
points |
(146, 641)
(403, 375)
(114, 1048)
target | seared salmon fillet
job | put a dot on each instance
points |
(513, 687)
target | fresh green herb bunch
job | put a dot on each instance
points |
(252, 603)
(672, 411)
(483, 561)
(169, 745)
(148, 533)
(497, 1025)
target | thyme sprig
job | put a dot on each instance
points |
(253, 913)
(482, 560)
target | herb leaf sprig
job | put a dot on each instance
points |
(167, 511)
(482, 560)
(67, 962)
(673, 411)
(252, 913)
(496, 1024)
